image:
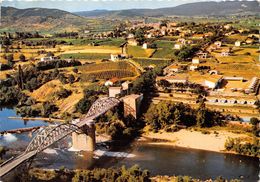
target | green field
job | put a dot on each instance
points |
(147, 62)
(137, 51)
(90, 56)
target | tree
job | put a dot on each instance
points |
(10, 59)
(71, 78)
(22, 57)
(49, 54)
(201, 118)
(177, 116)
(254, 121)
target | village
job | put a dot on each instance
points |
(222, 67)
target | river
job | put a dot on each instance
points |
(159, 160)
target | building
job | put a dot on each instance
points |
(203, 55)
(213, 81)
(114, 91)
(132, 42)
(50, 58)
(173, 68)
(132, 105)
(253, 84)
(178, 46)
(195, 60)
(226, 52)
(114, 57)
(126, 85)
(174, 79)
(145, 46)
(238, 43)
(111, 81)
(193, 67)
(218, 44)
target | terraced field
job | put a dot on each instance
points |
(107, 70)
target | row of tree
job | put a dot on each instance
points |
(167, 115)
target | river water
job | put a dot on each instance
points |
(159, 160)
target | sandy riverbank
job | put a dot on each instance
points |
(194, 139)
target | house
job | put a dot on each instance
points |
(241, 101)
(213, 81)
(222, 100)
(145, 46)
(251, 102)
(114, 57)
(193, 67)
(132, 42)
(50, 58)
(174, 79)
(213, 72)
(130, 36)
(212, 99)
(253, 84)
(249, 40)
(111, 82)
(218, 44)
(178, 46)
(226, 52)
(195, 60)
(114, 91)
(173, 68)
(231, 101)
(237, 43)
(198, 36)
(126, 85)
(202, 55)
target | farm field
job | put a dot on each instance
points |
(152, 62)
(88, 56)
(107, 70)
(137, 51)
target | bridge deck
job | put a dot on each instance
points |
(17, 161)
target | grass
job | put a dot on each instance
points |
(147, 62)
(164, 53)
(137, 51)
(92, 56)
(164, 44)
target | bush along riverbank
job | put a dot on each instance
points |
(133, 174)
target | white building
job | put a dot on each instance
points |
(145, 46)
(218, 44)
(178, 46)
(237, 43)
(114, 91)
(193, 67)
(213, 81)
(48, 58)
(114, 57)
(195, 60)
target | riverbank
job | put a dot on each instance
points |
(193, 139)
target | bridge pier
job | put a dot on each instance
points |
(85, 141)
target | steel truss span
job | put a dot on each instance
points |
(47, 136)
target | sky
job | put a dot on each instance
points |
(87, 5)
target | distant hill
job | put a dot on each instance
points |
(40, 19)
(190, 9)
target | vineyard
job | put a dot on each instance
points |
(107, 70)
(147, 62)
(92, 56)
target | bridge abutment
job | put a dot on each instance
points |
(85, 141)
